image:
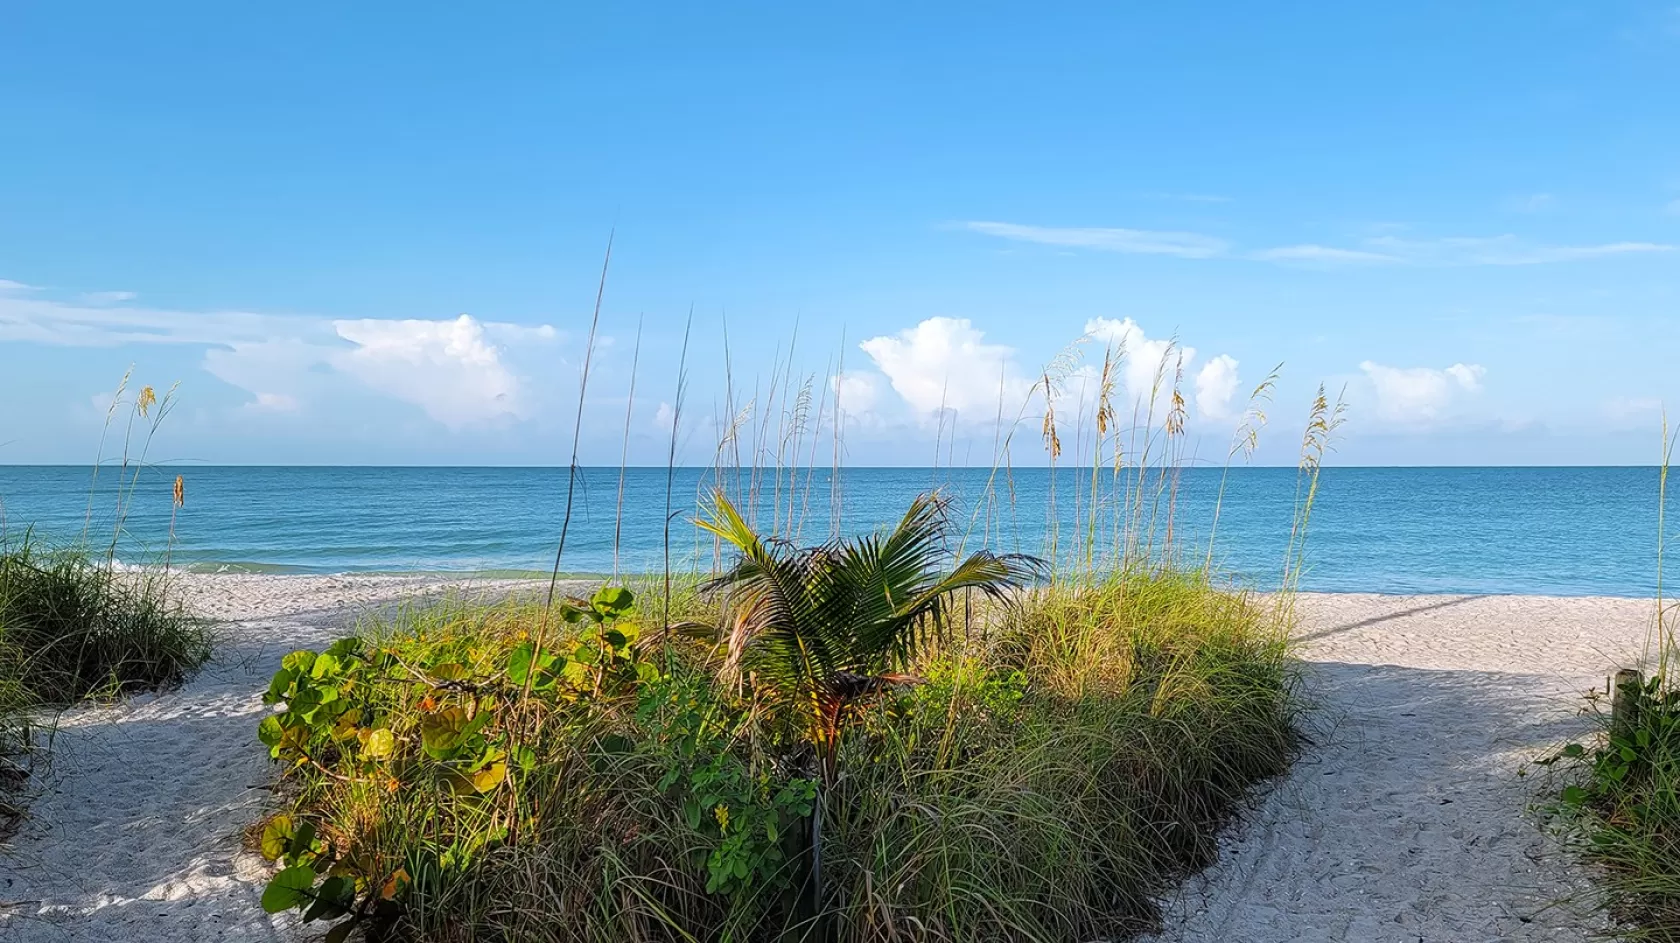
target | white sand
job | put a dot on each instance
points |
(1405, 821)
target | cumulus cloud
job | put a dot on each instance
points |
(447, 368)
(1187, 245)
(1216, 385)
(856, 394)
(1420, 395)
(457, 370)
(946, 363)
(664, 417)
(1150, 362)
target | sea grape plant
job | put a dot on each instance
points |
(399, 715)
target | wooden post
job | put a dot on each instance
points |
(1624, 700)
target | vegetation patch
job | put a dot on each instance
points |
(72, 629)
(1621, 805)
(866, 740)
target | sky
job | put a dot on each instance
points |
(374, 233)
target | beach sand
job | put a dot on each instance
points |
(1404, 820)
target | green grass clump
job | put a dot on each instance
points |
(503, 771)
(1622, 806)
(73, 629)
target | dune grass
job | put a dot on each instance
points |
(1055, 765)
(77, 626)
(1621, 800)
(72, 628)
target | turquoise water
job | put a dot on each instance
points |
(1430, 530)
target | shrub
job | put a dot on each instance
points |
(1057, 764)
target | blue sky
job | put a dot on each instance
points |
(371, 233)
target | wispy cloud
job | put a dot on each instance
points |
(1186, 245)
(1501, 250)
(1188, 197)
(108, 297)
(1314, 254)
(1531, 203)
(1449, 251)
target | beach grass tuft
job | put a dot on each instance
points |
(1619, 802)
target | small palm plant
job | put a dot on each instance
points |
(822, 629)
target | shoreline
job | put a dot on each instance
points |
(1404, 817)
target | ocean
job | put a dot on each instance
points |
(1563, 531)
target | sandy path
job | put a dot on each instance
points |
(1405, 821)
(136, 836)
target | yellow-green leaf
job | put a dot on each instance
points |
(379, 744)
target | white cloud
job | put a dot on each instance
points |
(7, 285)
(274, 403)
(1186, 245)
(457, 370)
(856, 394)
(1532, 203)
(945, 362)
(1632, 410)
(1312, 254)
(447, 368)
(1150, 363)
(1420, 395)
(1216, 385)
(664, 417)
(1450, 251)
(1501, 250)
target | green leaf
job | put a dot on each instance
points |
(448, 671)
(302, 838)
(339, 933)
(525, 757)
(287, 889)
(520, 665)
(271, 730)
(331, 900)
(1574, 751)
(347, 647)
(299, 662)
(325, 667)
(279, 685)
(1574, 795)
(612, 601)
(442, 733)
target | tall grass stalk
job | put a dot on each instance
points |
(572, 466)
(624, 452)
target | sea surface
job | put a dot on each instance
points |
(1564, 531)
